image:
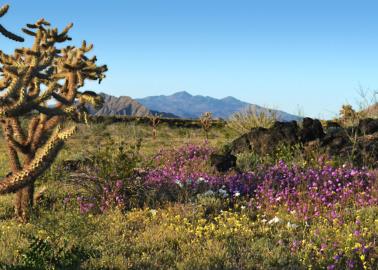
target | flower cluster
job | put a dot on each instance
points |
(108, 196)
(315, 191)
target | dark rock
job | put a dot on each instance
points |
(312, 129)
(343, 143)
(368, 126)
(332, 127)
(332, 124)
(264, 141)
(223, 162)
(333, 142)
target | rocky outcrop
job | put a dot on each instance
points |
(312, 129)
(357, 144)
(262, 140)
(368, 126)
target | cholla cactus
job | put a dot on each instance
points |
(348, 116)
(41, 85)
(206, 121)
(154, 121)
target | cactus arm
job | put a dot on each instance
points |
(10, 35)
(50, 111)
(17, 130)
(33, 124)
(38, 165)
(35, 88)
(5, 32)
(14, 160)
(3, 10)
(16, 108)
(13, 88)
(60, 98)
(4, 83)
(37, 134)
(52, 122)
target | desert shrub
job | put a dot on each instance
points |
(242, 122)
(109, 179)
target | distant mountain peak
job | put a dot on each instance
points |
(229, 98)
(181, 94)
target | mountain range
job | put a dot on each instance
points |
(181, 105)
(125, 105)
(186, 105)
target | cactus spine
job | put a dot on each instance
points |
(30, 78)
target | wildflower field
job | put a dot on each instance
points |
(137, 202)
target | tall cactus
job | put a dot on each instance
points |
(40, 86)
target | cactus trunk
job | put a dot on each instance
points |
(24, 202)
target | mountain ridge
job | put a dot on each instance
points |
(181, 105)
(185, 105)
(125, 105)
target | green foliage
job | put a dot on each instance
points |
(290, 154)
(116, 159)
(207, 232)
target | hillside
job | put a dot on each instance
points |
(125, 105)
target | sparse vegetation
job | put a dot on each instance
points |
(118, 198)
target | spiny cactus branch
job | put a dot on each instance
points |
(5, 32)
(41, 162)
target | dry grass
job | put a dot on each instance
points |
(242, 122)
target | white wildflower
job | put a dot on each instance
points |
(274, 220)
(178, 182)
(153, 212)
(209, 193)
(223, 193)
(201, 179)
(291, 225)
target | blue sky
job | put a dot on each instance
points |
(307, 55)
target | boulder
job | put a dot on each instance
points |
(312, 129)
(263, 141)
(368, 126)
(223, 162)
(358, 143)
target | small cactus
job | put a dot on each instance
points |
(30, 78)
(206, 122)
(348, 116)
(154, 121)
